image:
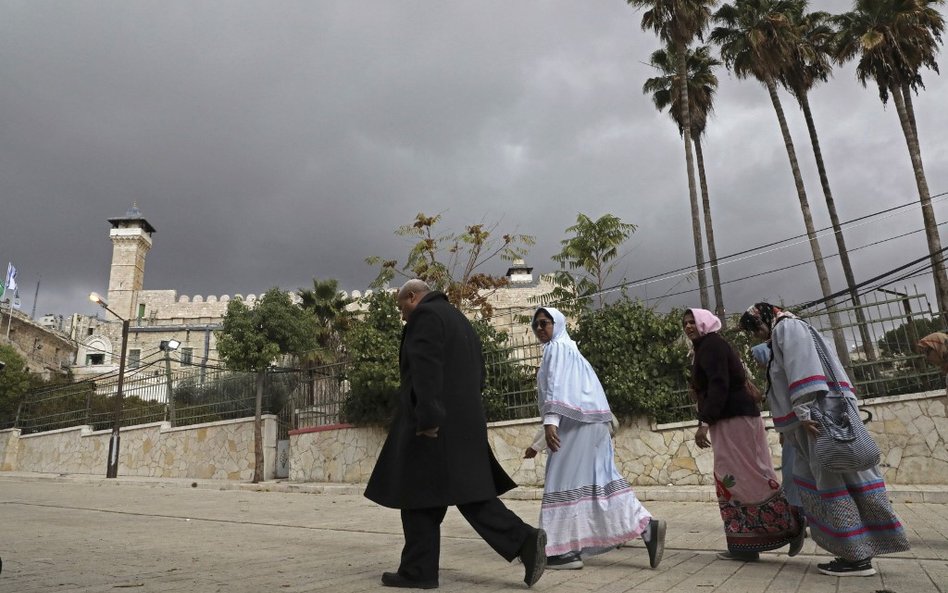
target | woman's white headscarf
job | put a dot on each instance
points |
(566, 383)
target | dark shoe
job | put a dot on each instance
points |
(739, 556)
(533, 556)
(568, 561)
(796, 544)
(848, 568)
(393, 579)
(656, 542)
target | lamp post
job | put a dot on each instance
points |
(111, 468)
(168, 346)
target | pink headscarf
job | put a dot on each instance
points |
(706, 322)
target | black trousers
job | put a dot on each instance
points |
(500, 527)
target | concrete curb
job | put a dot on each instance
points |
(922, 493)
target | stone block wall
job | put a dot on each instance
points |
(912, 431)
(8, 445)
(336, 453)
(214, 450)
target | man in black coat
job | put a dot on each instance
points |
(436, 454)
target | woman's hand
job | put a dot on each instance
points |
(530, 453)
(552, 437)
(812, 427)
(701, 437)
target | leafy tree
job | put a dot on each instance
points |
(638, 354)
(372, 344)
(758, 39)
(587, 259)
(15, 383)
(666, 94)
(678, 23)
(251, 339)
(454, 262)
(894, 40)
(901, 341)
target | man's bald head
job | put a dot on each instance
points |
(410, 294)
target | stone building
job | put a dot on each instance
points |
(154, 315)
(161, 315)
(45, 351)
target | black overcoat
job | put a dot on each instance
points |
(442, 374)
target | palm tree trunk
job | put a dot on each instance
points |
(692, 192)
(709, 231)
(909, 106)
(907, 118)
(864, 335)
(258, 429)
(842, 348)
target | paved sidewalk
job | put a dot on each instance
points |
(88, 534)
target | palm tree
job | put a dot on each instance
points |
(328, 305)
(894, 40)
(678, 23)
(757, 39)
(809, 65)
(702, 84)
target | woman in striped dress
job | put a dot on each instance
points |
(588, 506)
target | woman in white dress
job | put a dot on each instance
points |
(588, 506)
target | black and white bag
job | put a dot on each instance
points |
(844, 444)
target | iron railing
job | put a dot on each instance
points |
(316, 396)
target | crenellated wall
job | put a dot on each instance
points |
(215, 450)
(912, 431)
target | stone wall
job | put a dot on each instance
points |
(214, 450)
(912, 431)
(8, 445)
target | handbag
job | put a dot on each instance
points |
(844, 444)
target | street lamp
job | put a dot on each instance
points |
(168, 346)
(111, 468)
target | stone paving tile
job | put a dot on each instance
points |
(92, 536)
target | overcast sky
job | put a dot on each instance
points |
(273, 142)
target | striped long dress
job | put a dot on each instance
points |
(849, 513)
(588, 507)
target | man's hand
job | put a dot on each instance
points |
(701, 437)
(530, 453)
(431, 433)
(552, 437)
(812, 427)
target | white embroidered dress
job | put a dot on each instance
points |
(588, 506)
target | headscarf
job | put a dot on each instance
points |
(937, 344)
(706, 322)
(566, 383)
(763, 315)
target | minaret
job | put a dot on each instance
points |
(131, 240)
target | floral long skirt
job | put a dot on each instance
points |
(756, 514)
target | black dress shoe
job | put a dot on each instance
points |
(393, 579)
(533, 556)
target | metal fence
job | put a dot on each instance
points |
(198, 394)
(882, 334)
(882, 355)
(894, 322)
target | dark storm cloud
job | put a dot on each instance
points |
(273, 142)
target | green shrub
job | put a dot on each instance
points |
(640, 356)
